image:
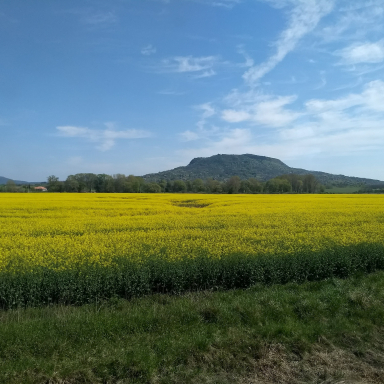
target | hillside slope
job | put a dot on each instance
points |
(3, 180)
(222, 167)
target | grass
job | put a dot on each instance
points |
(315, 332)
(349, 189)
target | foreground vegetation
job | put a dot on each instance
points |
(318, 332)
(76, 249)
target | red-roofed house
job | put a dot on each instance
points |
(41, 189)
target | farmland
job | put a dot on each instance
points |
(180, 261)
(77, 248)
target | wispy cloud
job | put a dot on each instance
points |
(269, 113)
(249, 62)
(170, 92)
(183, 64)
(207, 111)
(362, 53)
(219, 3)
(303, 19)
(354, 21)
(207, 73)
(323, 81)
(189, 136)
(231, 141)
(372, 98)
(100, 18)
(93, 17)
(104, 138)
(319, 127)
(292, 126)
(148, 50)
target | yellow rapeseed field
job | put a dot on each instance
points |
(63, 231)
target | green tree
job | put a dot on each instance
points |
(141, 182)
(284, 186)
(133, 184)
(245, 186)
(233, 184)
(179, 186)
(120, 183)
(198, 185)
(152, 188)
(163, 185)
(169, 186)
(310, 183)
(89, 181)
(104, 183)
(271, 186)
(71, 184)
(81, 185)
(54, 184)
(11, 186)
(255, 185)
(213, 186)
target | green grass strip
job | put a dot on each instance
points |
(315, 332)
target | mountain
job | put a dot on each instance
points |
(222, 167)
(3, 180)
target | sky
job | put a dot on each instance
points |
(135, 87)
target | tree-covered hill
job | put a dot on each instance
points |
(222, 167)
(3, 180)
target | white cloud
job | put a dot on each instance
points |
(350, 122)
(182, 64)
(148, 50)
(355, 21)
(233, 116)
(273, 113)
(270, 112)
(323, 81)
(249, 62)
(231, 141)
(189, 136)
(100, 18)
(238, 99)
(220, 3)
(362, 53)
(105, 139)
(327, 127)
(208, 73)
(208, 111)
(304, 17)
(372, 98)
(170, 92)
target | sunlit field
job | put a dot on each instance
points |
(127, 244)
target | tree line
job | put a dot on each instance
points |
(119, 183)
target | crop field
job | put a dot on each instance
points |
(77, 248)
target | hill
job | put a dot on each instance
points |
(3, 180)
(222, 167)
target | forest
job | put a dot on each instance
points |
(119, 183)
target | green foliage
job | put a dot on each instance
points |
(261, 168)
(316, 332)
(233, 184)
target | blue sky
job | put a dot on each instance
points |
(134, 87)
